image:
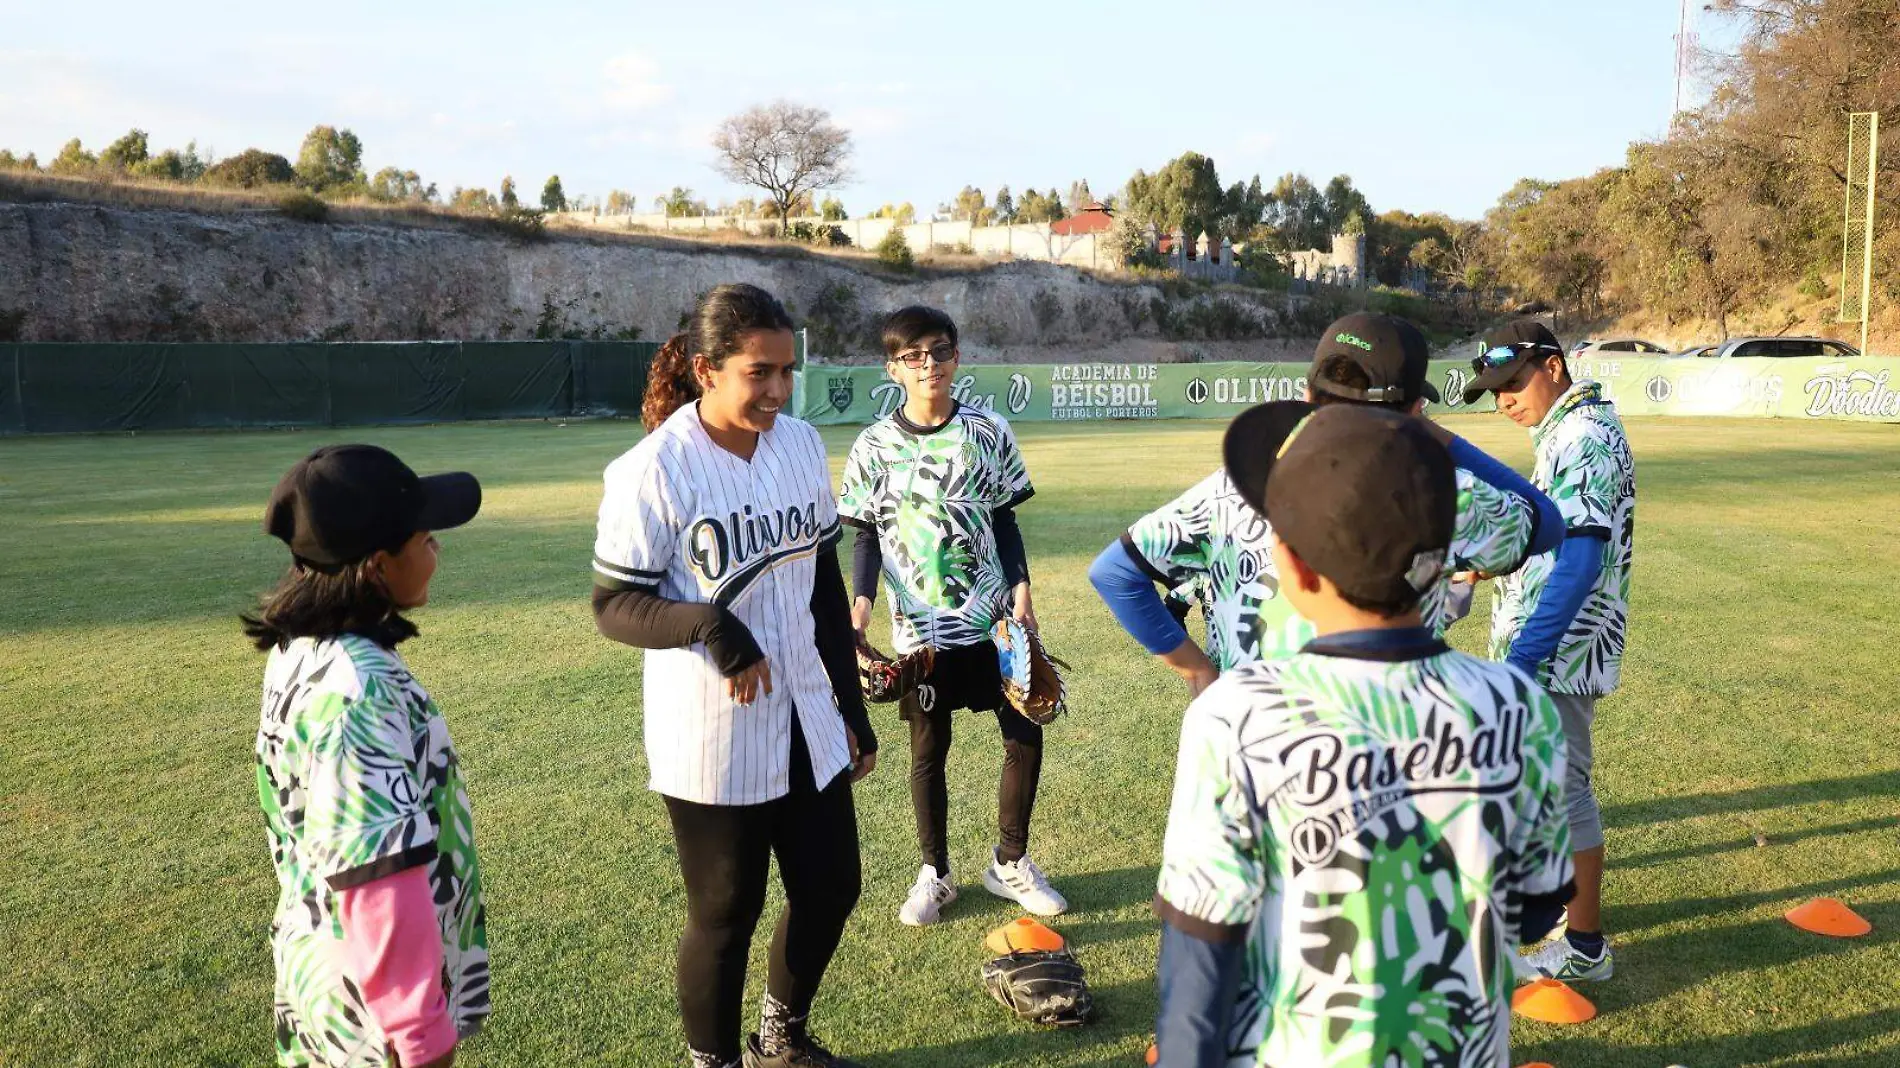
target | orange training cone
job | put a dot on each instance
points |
(1827, 916)
(1536, 1064)
(1022, 935)
(1550, 1001)
(1154, 1053)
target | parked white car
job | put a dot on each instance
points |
(1623, 345)
(1771, 347)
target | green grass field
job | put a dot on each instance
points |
(1746, 766)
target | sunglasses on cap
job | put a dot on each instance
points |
(1504, 354)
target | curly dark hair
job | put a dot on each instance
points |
(717, 330)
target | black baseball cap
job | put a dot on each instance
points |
(1390, 350)
(1364, 495)
(1507, 349)
(342, 503)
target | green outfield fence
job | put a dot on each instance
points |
(89, 388)
(83, 388)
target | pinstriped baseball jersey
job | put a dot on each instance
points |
(689, 521)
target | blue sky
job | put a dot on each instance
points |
(1428, 104)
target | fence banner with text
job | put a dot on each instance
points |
(1808, 388)
(1075, 392)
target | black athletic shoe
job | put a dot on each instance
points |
(805, 1052)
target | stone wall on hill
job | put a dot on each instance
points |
(73, 272)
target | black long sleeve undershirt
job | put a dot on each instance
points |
(645, 620)
(867, 558)
(838, 647)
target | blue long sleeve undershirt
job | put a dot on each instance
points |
(1579, 562)
(1548, 529)
(1130, 594)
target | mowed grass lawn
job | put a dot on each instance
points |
(1748, 763)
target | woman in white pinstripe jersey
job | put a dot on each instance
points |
(717, 553)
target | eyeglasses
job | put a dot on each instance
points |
(934, 354)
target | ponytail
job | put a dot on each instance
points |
(717, 329)
(670, 384)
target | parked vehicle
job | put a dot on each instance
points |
(1626, 345)
(1771, 348)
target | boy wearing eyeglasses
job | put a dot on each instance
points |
(1562, 618)
(932, 491)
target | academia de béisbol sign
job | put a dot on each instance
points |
(1814, 388)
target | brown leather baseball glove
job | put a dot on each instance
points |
(1032, 679)
(885, 680)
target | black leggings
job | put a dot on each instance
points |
(930, 793)
(725, 851)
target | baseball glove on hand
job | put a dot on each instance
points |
(885, 680)
(1032, 679)
(1043, 988)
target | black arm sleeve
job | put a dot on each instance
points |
(1009, 546)
(837, 647)
(646, 620)
(867, 560)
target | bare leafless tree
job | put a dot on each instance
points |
(785, 150)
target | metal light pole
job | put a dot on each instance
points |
(1857, 228)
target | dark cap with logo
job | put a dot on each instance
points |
(1505, 351)
(342, 503)
(1391, 352)
(1364, 495)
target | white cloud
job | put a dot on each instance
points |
(633, 82)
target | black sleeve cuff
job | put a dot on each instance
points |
(731, 644)
(1154, 573)
(1216, 933)
(413, 857)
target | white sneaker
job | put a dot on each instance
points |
(1023, 883)
(928, 896)
(1559, 959)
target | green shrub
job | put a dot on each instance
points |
(1813, 286)
(525, 224)
(250, 169)
(894, 251)
(817, 234)
(304, 207)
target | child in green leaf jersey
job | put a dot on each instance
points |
(932, 492)
(380, 934)
(1362, 832)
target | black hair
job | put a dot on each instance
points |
(1341, 370)
(907, 326)
(1382, 609)
(312, 603)
(716, 330)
